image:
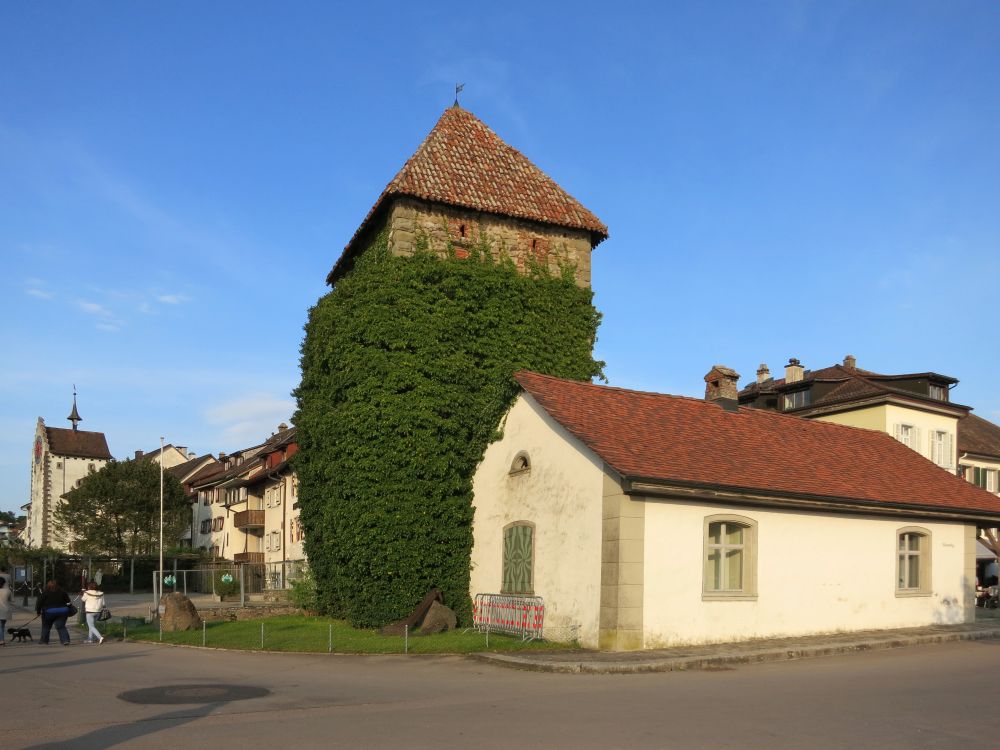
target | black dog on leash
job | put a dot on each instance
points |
(19, 634)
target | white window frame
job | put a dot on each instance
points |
(908, 434)
(747, 589)
(796, 399)
(941, 448)
(905, 554)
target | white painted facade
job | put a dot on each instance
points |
(52, 476)
(561, 495)
(816, 573)
(924, 431)
(606, 563)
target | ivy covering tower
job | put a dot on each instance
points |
(471, 264)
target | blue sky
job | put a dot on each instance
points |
(786, 179)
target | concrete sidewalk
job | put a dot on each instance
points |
(727, 655)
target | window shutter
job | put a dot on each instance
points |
(916, 440)
(896, 431)
(948, 451)
(517, 560)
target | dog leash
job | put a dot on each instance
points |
(27, 623)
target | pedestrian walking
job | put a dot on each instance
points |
(53, 605)
(93, 603)
(6, 608)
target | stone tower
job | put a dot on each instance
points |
(464, 184)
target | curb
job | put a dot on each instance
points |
(720, 661)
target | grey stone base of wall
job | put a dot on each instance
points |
(729, 655)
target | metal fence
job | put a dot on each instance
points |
(230, 581)
(523, 616)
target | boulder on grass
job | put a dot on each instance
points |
(416, 616)
(178, 613)
(438, 619)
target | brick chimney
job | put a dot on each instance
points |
(763, 373)
(138, 455)
(793, 371)
(850, 362)
(721, 387)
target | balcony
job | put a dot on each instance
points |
(248, 557)
(249, 519)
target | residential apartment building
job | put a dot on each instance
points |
(914, 408)
(979, 452)
(246, 508)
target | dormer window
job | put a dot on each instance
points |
(796, 400)
(937, 391)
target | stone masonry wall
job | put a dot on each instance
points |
(518, 239)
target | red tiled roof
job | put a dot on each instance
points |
(673, 438)
(463, 163)
(77, 443)
(978, 435)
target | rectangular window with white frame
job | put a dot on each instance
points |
(730, 558)
(941, 448)
(913, 565)
(908, 435)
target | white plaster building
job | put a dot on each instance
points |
(60, 460)
(645, 520)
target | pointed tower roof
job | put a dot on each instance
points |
(463, 163)
(74, 416)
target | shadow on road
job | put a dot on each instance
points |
(61, 664)
(117, 733)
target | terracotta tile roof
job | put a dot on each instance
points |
(190, 468)
(463, 163)
(673, 438)
(78, 443)
(978, 435)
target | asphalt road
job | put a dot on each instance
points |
(942, 696)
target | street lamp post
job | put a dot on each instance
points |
(159, 575)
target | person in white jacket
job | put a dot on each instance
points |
(6, 607)
(93, 603)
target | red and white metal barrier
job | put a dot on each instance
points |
(523, 616)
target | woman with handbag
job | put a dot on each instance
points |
(93, 603)
(54, 607)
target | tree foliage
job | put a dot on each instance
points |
(406, 371)
(116, 511)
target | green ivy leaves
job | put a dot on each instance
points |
(406, 372)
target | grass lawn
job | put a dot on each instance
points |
(319, 634)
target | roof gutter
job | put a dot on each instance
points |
(775, 498)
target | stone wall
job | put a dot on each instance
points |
(410, 219)
(229, 614)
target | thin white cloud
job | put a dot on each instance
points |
(172, 299)
(108, 321)
(250, 419)
(94, 308)
(36, 287)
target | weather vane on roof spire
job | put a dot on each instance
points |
(458, 88)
